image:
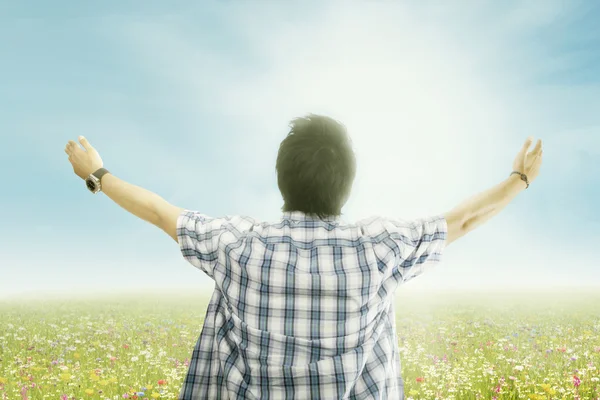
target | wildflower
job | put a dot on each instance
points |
(536, 397)
(162, 382)
(420, 379)
(576, 380)
(24, 393)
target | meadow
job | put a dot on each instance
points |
(530, 345)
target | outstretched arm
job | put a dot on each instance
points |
(479, 209)
(138, 201)
(142, 203)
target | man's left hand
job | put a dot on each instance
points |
(86, 160)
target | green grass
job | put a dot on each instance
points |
(527, 346)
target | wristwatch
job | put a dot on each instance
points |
(93, 181)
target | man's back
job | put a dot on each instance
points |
(302, 308)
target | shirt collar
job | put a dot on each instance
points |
(300, 216)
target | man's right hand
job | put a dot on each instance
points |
(529, 163)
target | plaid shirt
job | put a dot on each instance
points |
(302, 308)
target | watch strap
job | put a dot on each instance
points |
(100, 173)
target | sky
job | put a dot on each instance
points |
(191, 99)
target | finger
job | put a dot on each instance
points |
(525, 147)
(538, 146)
(527, 143)
(73, 145)
(84, 142)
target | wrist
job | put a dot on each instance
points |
(516, 183)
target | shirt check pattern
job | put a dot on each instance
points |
(302, 308)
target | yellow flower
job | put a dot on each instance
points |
(413, 392)
(537, 397)
(103, 382)
(65, 377)
(155, 395)
(89, 391)
(3, 380)
(149, 387)
(113, 380)
(76, 355)
(94, 377)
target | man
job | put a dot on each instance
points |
(304, 308)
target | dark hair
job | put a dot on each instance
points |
(316, 166)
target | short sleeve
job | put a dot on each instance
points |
(417, 244)
(198, 237)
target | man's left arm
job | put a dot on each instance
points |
(140, 202)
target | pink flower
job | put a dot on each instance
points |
(24, 393)
(576, 380)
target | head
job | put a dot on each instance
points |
(316, 166)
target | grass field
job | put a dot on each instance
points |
(477, 346)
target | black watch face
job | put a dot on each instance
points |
(90, 184)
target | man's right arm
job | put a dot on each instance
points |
(480, 208)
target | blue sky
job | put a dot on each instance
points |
(190, 100)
